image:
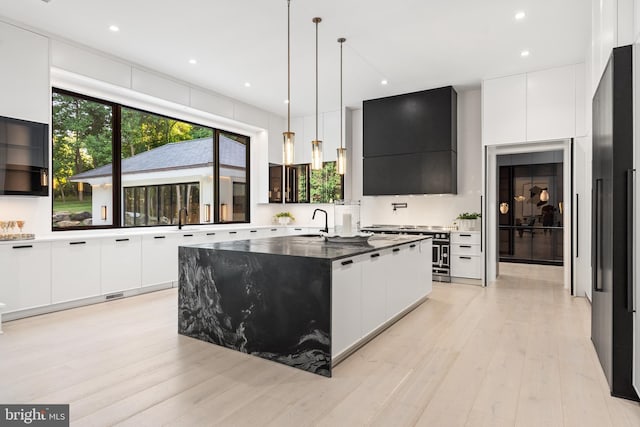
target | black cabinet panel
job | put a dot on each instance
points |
(611, 321)
(418, 173)
(411, 123)
(24, 157)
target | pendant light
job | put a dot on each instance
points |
(316, 144)
(544, 195)
(342, 152)
(289, 137)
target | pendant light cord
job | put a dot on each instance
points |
(342, 40)
(317, 21)
(288, 65)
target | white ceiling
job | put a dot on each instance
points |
(415, 44)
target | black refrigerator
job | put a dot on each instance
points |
(611, 313)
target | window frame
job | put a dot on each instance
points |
(116, 171)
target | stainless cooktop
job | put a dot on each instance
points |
(395, 227)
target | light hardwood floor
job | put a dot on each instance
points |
(516, 353)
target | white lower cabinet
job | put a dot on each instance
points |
(424, 285)
(346, 304)
(370, 289)
(121, 264)
(376, 272)
(465, 255)
(159, 259)
(26, 279)
(75, 270)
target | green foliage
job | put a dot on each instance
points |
(285, 215)
(467, 215)
(81, 139)
(326, 184)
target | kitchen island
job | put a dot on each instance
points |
(300, 300)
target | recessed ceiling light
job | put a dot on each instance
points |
(193, 62)
(384, 82)
(524, 53)
(114, 28)
(247, 84)
(520, 16)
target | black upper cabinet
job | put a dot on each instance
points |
(410, 143)
(411, 123)
(24, 157)
(417, 173)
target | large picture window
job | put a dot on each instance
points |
(82, 141)
(116, 166)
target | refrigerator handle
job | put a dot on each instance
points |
(597, 268)
(481, 216)
(577, 226)
(631, 207)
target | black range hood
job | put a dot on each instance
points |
(410, 143)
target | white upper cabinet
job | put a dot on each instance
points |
(302, 148)
(538, 106)
(504, 110)
(551, 104)
(277, 126)
(24, 75)
(331, 136)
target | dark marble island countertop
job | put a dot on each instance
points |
(310, 246)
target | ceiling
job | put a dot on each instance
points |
(414, 44)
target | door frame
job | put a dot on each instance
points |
(491, 203)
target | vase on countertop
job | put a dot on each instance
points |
(284, 220)
(468, 224)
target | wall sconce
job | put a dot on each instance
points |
(223, 212)
(504, 208)
(207, 212)
(103, 212)
(544, 195)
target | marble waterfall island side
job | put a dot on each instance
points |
(299, 300)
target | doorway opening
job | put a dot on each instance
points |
(545, 178)
(531, 197)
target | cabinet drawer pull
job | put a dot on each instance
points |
(253, 231)
(211, 234)
(465, 257)
(274, 229)
(233, 232)
(347, 262)
(188, 235)
(159, 237)
(23, 247)
(77, 243)
(375, 255)
(465, 246)
(396, 249)
(412, 246)
(122, 240)
(298, 229)
(465, 235)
